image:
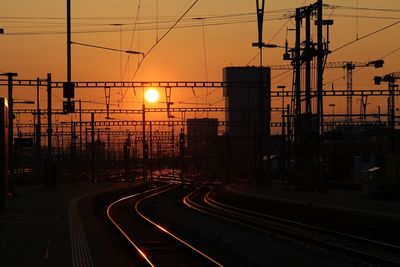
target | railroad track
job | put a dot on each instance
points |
(153, 244)
(357, 247)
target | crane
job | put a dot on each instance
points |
(349, 66)
(391, 79)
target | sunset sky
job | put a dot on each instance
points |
(34, 42)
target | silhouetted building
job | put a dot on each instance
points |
(246, 101)
(355, 150)
(201, 142)
(243, 98)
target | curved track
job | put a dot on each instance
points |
(154, 244)
(364, 249)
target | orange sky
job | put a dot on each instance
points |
(180, 56)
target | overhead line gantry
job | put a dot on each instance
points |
(193, 84)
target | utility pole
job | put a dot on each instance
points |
(151, 152)
(80, 126)
(309, 127)
(86, 140)
(182, 154)
(69, 87)
(297, 66)
(322, 52)
(173, 151)
(144, 148)
(264, 116)
(349, 71)
(307, 55)
(51, 180)
(38, 132)
(68, 41)
(73, 149)
(391, 104)
(320, 67)
(3, 154)
(391, 79)
(10, 76)
(260, 21)
(92, 147)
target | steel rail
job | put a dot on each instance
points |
(208, 200)
(169, 233)
(206, 210)
(159, 190)
(365, 248)
(129, 239)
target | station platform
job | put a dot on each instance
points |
(349, 201)
(57, 227)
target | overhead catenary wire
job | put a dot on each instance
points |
(152, 18)
(205, 60)
(366, 8)
(162, 37)
(366, 35)
(357, 19)
(47, 21)
(158, 41)
(151, 27)
(130, 47)
(391, 52)
(107, 48)
(153, 24)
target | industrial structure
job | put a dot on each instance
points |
(204, 173)
(3, 152)
(246, 107)
(202, 142)
(305, 139)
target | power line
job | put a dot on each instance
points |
(367, 35)
(391, 52)
(366, 17)
(171, 18)
(130, 47)
(158, 41)
(129, 29)
(152, 24)
(107, 48)
(163, 36)
(367, 8)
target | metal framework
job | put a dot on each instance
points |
(349, 66)
(137, 111)
(184, 123)
(198, 84)
(123, 84)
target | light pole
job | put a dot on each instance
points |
(10, 76)
(151, 95)
(378, 115)
(282, 87)
(144, 154)
(333, 114)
